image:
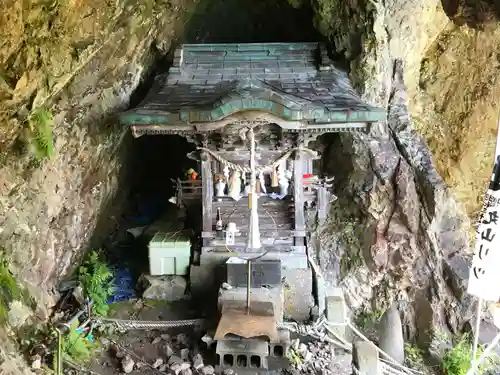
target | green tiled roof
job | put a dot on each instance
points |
(294, 81)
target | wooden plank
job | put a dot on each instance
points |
(283, 233)
(278, 219)
(262, 201)
(241, 157)
(265, 241)
(208, 191)
(242, 249)
(262, 213)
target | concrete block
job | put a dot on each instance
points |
(336, 311)
(280, 350)
(365, 358)
(242, 354)
(264, 272)
(273, 295)
(298, 294)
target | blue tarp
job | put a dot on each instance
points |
(123, 286)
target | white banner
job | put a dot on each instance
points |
(484, 274)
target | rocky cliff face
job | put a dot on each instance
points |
(81, 61)
(396, 231)
(78, 62)
(450, 75)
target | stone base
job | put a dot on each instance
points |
(206, 279)
(165, 288)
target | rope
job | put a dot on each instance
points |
(266, 168)
(148, 324)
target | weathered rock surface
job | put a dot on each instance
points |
(450, 74)
(81, 61)
(165, 288)
(396, 230)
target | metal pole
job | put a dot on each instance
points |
(59, 362)
(476, 335)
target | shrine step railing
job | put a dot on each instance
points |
(188, 190)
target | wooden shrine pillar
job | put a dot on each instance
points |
(298, 194)
(207, 185)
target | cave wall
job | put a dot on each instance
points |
(81, 61)
(450, 74)
(396, 230)
(406, 237)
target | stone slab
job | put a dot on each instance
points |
(336, 311)
(365, 358)
(298, 294)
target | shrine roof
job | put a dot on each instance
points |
(295, 82)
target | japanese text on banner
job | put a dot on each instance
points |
(484, 275)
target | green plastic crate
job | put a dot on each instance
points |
(169, 253)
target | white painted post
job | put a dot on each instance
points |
(336, 311)
(253, 230)
(365, 358)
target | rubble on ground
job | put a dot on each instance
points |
(318, 357)
(179, 354)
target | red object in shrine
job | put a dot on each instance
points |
(307, 175)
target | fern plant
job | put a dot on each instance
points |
(75, 347)
(96, 280)
(40, 138)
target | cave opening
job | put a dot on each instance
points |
(155, 161)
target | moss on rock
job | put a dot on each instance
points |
(10, 291)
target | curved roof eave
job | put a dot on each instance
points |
(188, 116)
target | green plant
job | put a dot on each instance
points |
(294, 358)
(75, 347)
(95, 277)
(10, 290)
(414, 357)
(458, 359)
(368, 319)
(40, 135)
